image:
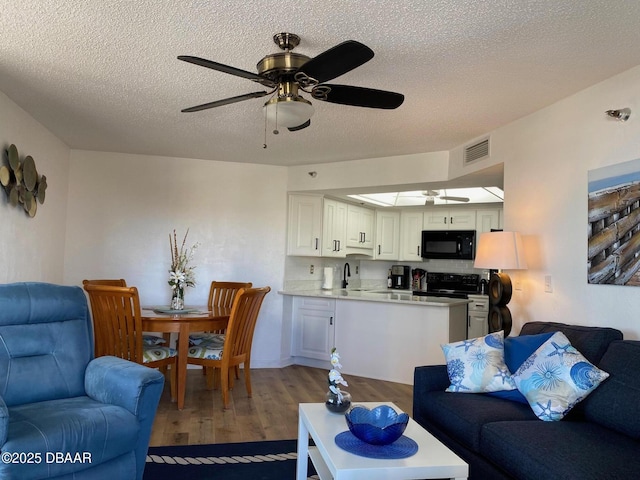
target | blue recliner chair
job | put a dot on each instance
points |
(63, 414)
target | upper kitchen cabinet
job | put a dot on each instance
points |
(449, 219)
(411, 235)
(304, 225)
(487, 220)
(334, 229)
(387, 235)
(360, 231)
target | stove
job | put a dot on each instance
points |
(453, 285)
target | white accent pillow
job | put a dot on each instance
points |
(556, 377)
(477, 365)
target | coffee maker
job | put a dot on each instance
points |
(401, 277)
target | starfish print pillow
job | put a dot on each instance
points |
(556, 377)
(477, 365)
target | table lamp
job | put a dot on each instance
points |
(499, 251)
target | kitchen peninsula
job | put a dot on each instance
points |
(382, 334)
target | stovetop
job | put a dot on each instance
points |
(452, 285)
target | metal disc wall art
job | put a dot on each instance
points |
(21, 181)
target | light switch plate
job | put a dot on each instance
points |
(548, 285)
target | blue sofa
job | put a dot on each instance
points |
(63, 414)
(503, 439)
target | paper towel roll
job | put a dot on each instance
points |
(327, 283)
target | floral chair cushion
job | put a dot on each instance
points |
(206, 350)
(152, 340)
(209, 346)
(151, 354)
(199, 338)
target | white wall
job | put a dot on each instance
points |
(122, 209)
(547, 156)
(31, 249)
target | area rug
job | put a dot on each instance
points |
(271, 460)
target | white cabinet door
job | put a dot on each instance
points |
(314, 327)
(360, 222)
(304, 225)
(334, 229)
(387, 235)
(411, 235)
(486, 220)
(449, 219)
(478, 325)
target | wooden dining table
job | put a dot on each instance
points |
(193, 319)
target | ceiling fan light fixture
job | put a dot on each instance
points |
(288, 111)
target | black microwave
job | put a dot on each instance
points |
(449, 244)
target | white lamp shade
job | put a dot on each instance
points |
(291, 112)
(500, 251)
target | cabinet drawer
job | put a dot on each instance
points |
(479, 303)
(315, 303)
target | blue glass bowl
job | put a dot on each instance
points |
(379, 426)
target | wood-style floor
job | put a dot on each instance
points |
(272, 412)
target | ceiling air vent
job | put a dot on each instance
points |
(476, 151)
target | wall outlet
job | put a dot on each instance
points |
(548, 285)
(311, 269)
(357, 269)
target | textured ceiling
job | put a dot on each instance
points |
(103, 75)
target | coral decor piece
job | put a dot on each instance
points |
(337, 400)
(181, 274)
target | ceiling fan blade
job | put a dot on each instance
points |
(300, 127)
(225, 101)
(455, 199)
(337, 61)
(227, 69)
(358, 96)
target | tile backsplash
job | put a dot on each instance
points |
(364, 273)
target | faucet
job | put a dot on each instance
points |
(346, 273)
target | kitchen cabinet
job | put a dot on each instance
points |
(360, 231)
(487, 220)
(304, 225)
(387, 235)
(478, 323)
(449, 219)
(313, 327)
(387, 341)
(334, 229)
(411, 235)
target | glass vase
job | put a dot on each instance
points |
(338, 404)
(177, 299)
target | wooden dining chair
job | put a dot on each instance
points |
(221, 294)
(236, 347)
(148, 339)
(117, 324)
(115, 282)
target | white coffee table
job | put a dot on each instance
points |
(433, 459)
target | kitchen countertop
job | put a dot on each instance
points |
(386, 296)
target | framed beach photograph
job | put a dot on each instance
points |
(614, 224)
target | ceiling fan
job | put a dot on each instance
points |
(431, 195)
(287, 73)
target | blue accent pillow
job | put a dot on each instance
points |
(556, 377)
(477, 365)
(516, 351)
